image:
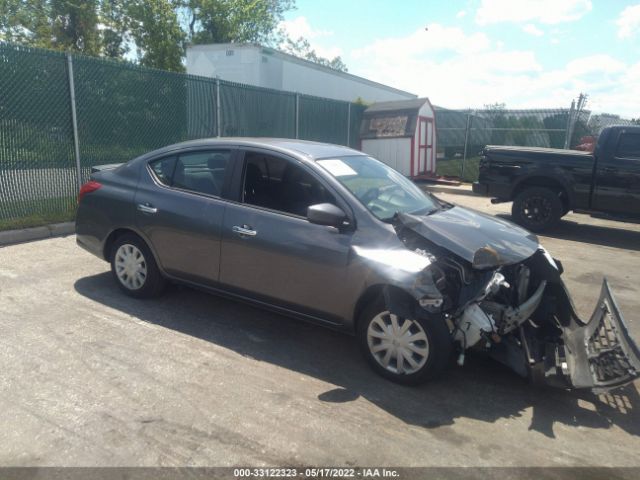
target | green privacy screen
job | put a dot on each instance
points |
(37, 175)
(124, 110)
(256, 112)
(323, 120)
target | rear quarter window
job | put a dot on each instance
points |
(163, 169)
(629, 146)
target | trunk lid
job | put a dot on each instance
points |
(107, 166)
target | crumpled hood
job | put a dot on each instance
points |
(464, 231)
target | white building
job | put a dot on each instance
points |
(265, 67)
(401, 134)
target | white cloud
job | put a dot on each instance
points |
(458, 70)
(300, 27)
(543, 11)
(531, 29)
(461, 14)
(629, 21)
(328, 52)
(436, 38)
(594, 64)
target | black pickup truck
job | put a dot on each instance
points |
(545, 184)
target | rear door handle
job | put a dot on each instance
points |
(146, 208)
(244, 230)
(610, 169)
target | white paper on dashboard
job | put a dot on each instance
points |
(337, 167)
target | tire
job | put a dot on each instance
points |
(439, 346)
(537, 209)
(143, 278)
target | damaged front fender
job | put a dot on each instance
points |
(405, 269)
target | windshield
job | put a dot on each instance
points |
(381, 189)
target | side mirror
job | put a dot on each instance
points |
(326, 214)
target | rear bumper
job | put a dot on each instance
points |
(91, 244)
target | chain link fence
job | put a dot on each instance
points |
(121, 111)
(463, 133)
(36, 138)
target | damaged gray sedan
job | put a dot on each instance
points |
(332, 236)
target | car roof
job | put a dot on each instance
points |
(299, 148)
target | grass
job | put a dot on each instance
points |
(35, 213)
(453, 168)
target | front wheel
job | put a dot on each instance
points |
(404, 350)
(537, 208)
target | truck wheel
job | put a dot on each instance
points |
(404, 350)
(537, 208)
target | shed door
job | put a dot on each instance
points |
(425, 146)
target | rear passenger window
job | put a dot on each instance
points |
(629, 146)
(163, 169)
(202, 172)
(278, 184)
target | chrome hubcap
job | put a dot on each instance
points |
(399, 345)
(131, 267)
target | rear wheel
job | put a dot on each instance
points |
(134, 268)
(404, 350)
(537, 208)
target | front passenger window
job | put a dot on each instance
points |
(277, 184)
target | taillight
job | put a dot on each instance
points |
(90, 186)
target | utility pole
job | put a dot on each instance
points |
(218, 109)
(574, 113)
(74, 118)
(466, 142)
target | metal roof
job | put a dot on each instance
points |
(396, 106)
(301, 61)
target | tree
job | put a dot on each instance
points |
(26, 22)
(155, 28)
(158, 30)
(302, 48)
(74, 26)
(114, 28)
(70, 25)
(238, 21)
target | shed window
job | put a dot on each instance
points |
(389, 126)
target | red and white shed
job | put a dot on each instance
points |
(401, 134)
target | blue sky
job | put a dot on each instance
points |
(525, 53)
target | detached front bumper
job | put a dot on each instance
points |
(601, 355)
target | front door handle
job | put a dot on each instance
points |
(610, 169)
(146, 208)
(244, 230)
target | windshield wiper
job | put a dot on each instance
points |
(433, 210)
